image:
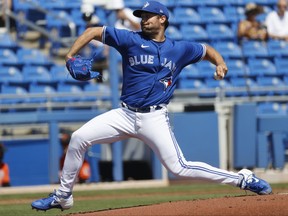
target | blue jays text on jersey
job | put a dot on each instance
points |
(150, 68)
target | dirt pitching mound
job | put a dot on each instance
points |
(275, 204)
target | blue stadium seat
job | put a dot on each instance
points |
(277, 48)
(10, 75)
(271, 108)
(186, 15)
(71, 93)
(91, 87)
(228, 49)
(220, 32)
(212, 15)
(8, 57)
(253, 48)
(206, 69)
(60, 74)
(97, 88)
(236, 68)
(233, 13)
(271, 82)
(189, 72)
(134, 3)
(246, 85)
(36, 74)
(43, 90)
(194, 84)
(18, 91)
(173, 32)
(281, 64)
(213, 84)
(6, 41)
(194, 32)
(261, 67)
(33, 57)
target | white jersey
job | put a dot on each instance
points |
(277, 25)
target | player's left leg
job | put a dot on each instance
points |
(156, 132)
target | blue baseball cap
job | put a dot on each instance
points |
(152, 7)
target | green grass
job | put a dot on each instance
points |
(19, 204)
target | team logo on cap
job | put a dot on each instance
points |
(146, 5)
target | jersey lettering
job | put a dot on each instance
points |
(142, 59)
(169, 64)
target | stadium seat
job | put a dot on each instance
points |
(102, 92)
(8, 57)
(36, 74)
(220, 32)
(281, 64)
(6, 41)
(228, 49)
(253, 48)
(193, 84)
(261, 67)
(234, 14)
(212, 15)
(271, 82)
(10, 74)
(243, 87)
(206, 69)
(19, 94)
(189, 72)
(271, 108)
(71, 93)
(60, 74)
(214, 85)
(45, 92)
(173, 32)
(236, 68)
(33, 57)
(186, 15)
(194, 32)
(134, 3)
(277, 48)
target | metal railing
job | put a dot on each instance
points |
(64, 41)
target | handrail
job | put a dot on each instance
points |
(64, 41)
(181, 96)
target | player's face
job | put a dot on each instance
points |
(150, 23)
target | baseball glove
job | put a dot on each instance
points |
(81, 69)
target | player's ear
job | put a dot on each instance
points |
(163, 19)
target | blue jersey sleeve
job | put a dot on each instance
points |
(194, 52)
(117, 38)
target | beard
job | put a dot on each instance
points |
(149, 31)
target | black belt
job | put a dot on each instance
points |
(141, 109)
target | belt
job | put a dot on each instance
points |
(141, 109)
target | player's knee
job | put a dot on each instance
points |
(78, 141)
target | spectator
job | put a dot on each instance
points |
(126, 19)
(85, 171)
(4, 169)
(277, 22)
(251, 28)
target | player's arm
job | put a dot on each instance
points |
(88, 35)
(215, 58)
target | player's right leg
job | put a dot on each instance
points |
(106, 128)
(163, 142)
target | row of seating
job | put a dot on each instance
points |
(238, 86)
(238, 68)
(42, 93)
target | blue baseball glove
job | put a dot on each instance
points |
(81, 69)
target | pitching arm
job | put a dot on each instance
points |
(88, 35)
(215, 58)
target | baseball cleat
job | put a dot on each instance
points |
(57, 199)
(248, 181)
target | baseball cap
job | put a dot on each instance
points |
(152, 7)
